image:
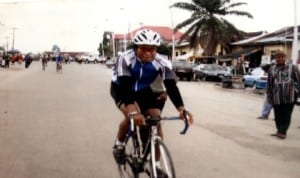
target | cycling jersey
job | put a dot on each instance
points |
(136, 77)
(142, 74)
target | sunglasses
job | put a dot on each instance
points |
(145, 49)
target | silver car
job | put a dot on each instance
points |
(210, 72)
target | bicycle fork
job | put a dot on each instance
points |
(154, 150)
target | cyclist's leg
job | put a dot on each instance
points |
(150, 106)
(119, 145)
(123, 126)
(156, 112)
(57, 66)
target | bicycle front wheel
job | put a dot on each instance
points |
(165, 168)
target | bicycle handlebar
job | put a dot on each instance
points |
(186, 124)
(182, 132)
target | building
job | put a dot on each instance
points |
(121, 41)
(261, 48)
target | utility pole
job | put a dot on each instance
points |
(125, 38)
(173, 35)
(113, 41)
(7, 42)
(295, 37)
(13, 40)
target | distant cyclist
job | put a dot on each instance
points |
(59, 61)
(134, 73)
(44, 61)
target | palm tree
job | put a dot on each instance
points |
(206, 26)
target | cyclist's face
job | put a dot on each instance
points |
(146, 53)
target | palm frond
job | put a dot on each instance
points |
(206, 25)
(185, 6)
(240, 13)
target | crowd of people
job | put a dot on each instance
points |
(7, 58)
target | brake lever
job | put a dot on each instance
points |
(186, 124)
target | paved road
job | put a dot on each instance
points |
(63, 126)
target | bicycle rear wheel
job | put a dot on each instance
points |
(166, 166)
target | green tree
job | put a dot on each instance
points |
(206, 26)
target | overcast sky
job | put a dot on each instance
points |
(77, 25)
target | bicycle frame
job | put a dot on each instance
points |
(140, 153)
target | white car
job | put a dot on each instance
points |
(93, 59)
(88, 58)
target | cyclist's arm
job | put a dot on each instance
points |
(127, 94)
(174, 93)
(176, 99)
(125, 87)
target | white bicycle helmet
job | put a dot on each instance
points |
(146, 37)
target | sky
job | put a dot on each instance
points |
(78, 25)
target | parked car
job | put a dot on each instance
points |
(183, 69)
(93, 59)
(210, 71)
(256, 78)
(83, 58)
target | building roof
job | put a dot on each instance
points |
(280, 36)
(165, 33)
(249, 40)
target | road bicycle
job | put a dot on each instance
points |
(143, 146)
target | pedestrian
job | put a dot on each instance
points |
(1, 58)
(7, 58)
(28, 60)
(44, 61)
(267, 107)
(266, 110)
(282, 90)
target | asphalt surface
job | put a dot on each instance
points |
(63, 126)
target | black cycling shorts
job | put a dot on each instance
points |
(145, 98)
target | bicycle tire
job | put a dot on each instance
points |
(166, 162)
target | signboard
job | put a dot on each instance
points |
(265, 59)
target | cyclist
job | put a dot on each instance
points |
(59, 61)
(44, 61)
(134, 74)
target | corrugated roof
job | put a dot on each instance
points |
(279, 36)
(249, 40)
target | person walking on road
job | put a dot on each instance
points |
(7, 58)
(267, 107)
(266, 110)
(44, 61)
(282, 90)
